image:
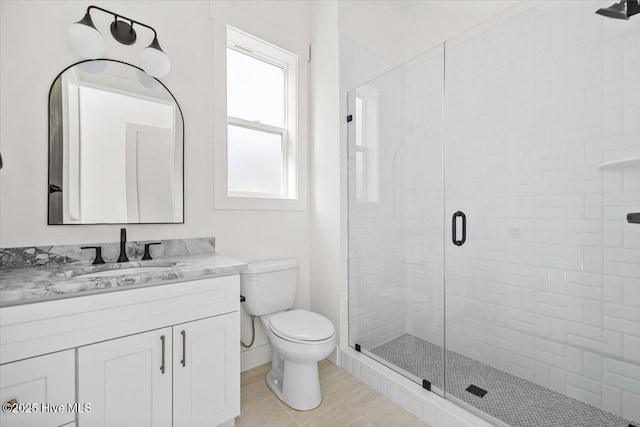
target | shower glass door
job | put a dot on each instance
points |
(539, 329)
(395, 217)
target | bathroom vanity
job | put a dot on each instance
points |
(155, 345)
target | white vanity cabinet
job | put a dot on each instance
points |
(206, 383)
(164, 355)
(29, 383)
(127, 381)
(130, 381)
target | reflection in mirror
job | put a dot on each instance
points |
(116, 145)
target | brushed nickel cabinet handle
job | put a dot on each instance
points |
(184, 349)
(162, 366)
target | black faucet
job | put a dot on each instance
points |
(123, 246)
(147, 253)
(98, 249)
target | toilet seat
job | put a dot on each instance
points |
(301, 326)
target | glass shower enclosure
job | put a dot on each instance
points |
(490, 260)
(396, 212)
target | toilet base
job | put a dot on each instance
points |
(296, 384)
(294, 376)
(274, 383)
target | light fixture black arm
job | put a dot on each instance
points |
(86, 40)
(116, 15)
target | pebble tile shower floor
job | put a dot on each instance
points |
(513, 400)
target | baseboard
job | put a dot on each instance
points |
(333, 357)
(255, 356)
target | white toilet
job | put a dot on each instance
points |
(299, 338)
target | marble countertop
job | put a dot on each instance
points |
(35, 284)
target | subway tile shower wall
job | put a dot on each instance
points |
(421, 197)
(548, 285)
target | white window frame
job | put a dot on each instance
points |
(235, 121)
(294, 196)
(368, 124)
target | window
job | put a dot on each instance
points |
(262, 151)
(366, 147)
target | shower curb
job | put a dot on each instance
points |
(427, 406)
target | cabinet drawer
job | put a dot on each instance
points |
(35, 382)
(53, 326)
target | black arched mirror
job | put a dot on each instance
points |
(116, 147)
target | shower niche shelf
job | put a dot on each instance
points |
(623, 163)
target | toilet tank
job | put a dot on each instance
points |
(269, 286)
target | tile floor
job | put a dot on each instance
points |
(347, 402)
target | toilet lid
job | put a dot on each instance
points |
(302, 325)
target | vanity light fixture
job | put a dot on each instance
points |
(87, 41)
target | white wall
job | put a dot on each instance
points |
(34, 50)
(376, 25)
(429, 23)
(325, 182)
(401, 30)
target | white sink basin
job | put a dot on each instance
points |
(124, 271)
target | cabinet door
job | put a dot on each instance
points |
(37, 386)
(127, 381)
(206, 373)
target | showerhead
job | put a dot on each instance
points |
(616, 10)
(622, 10)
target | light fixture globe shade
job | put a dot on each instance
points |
(86, 40)
(154, 61)
(93, 67)
(147, 81)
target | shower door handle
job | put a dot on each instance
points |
(454, 228)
